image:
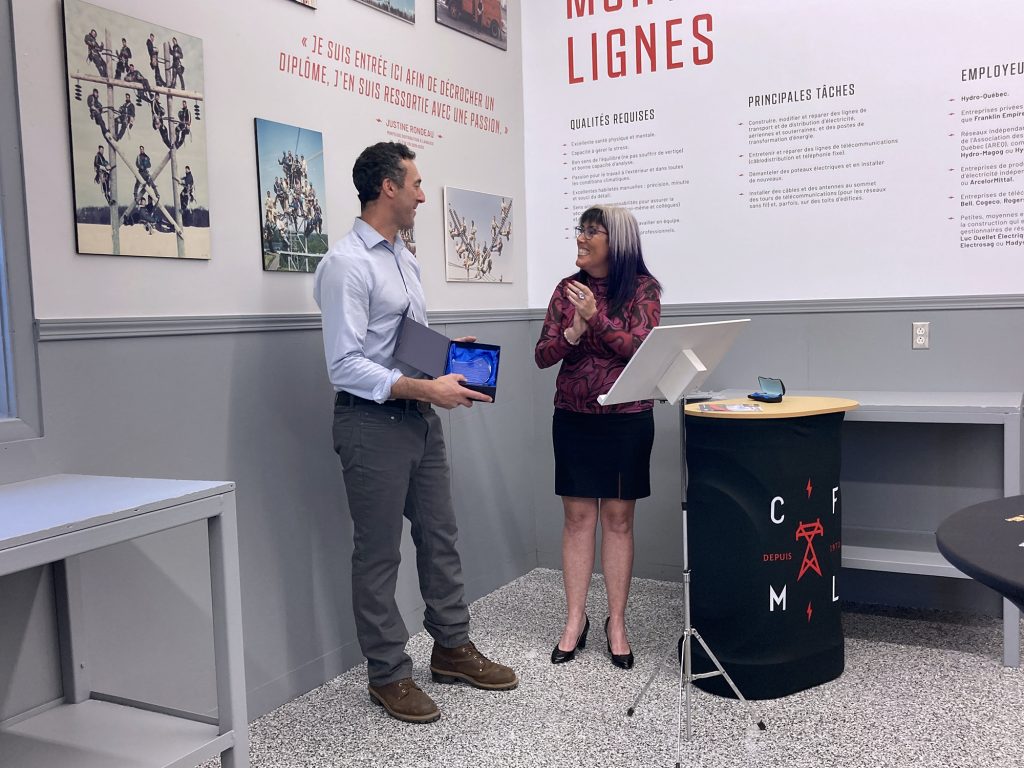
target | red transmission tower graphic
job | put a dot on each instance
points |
(808, 531)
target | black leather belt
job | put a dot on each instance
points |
(346, 398)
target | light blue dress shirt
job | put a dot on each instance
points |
(363, 286)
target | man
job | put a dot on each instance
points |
(124, 57)
(125, 118)
(102, 168)
(134, 76)
(154, 59)
(96, 52)
(318, 217)
(142, 165)
(160, 122)
(281, 193)
(294, 212)
(177, 68)
(390, 443)
(184, 125)
(286, 166)
(269, 219)
(293, 170)
(408, 237)
(96, 110)
(188, 185)
(147, 214)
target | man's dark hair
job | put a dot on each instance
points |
(376, 163)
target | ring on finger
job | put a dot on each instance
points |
(581, 294)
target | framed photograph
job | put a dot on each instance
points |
(409, 238)
(400, 9)
(478, 245)
(485, 20)
(138, 138)
(290, 166)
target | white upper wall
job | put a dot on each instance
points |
(242, 44)
(782, 151)
(882, 216)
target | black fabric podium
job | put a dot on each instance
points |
(765, 550)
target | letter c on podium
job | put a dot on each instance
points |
(781, 518)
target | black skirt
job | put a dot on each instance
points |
(603, 455)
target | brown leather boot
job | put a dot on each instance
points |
(404, 700)
(466, 663)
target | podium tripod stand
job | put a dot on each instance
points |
(690, 633)
(672, 362)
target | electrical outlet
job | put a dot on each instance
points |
(921, 336)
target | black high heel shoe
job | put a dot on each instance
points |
(558, 656)
(620, 660)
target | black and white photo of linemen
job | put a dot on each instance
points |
(138, 140)
(290, 161)
(478, 247)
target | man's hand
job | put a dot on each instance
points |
(467, 339)
(449, 393)
(445, 392)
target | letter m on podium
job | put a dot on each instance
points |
(776, 598)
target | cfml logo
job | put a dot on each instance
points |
(807, 532)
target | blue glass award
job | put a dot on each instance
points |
(477, 362)
(435, 354)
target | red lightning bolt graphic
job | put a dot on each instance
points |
(809, 488)
(810, 610)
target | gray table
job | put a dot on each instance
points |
(53, 520)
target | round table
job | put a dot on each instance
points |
(986, 541)
(765, 542)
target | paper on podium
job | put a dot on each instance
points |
(673, 360)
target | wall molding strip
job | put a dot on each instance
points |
(838, 306)
(77, 329)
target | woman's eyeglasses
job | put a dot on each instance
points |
(589, 233)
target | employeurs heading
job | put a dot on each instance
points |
(665, 44)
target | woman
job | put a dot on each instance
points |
(595, 322)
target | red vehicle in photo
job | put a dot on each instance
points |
(486, 14)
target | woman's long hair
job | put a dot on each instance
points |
(625, 256)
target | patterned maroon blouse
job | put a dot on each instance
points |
(590, 368)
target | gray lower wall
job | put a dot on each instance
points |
(910, 476)
(255, 408)
(29, 661)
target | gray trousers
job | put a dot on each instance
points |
(395, 466)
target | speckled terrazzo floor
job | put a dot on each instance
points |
(920, 689)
